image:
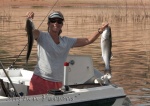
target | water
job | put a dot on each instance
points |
(130, 34)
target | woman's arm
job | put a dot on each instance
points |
(85, 41)
(36, 33)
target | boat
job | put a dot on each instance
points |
(81, 87)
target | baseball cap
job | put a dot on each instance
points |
(56, 14)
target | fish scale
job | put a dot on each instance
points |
(106, 45)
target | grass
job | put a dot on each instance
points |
(38, 6)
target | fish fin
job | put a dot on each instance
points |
(107, 71)
(111, 56)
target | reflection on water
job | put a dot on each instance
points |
(125, 102)
(130, 34)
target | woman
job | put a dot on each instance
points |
(52, 53)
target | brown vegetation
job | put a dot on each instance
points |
(72, 2)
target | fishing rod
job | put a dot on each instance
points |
(11, 66)
(16, 93)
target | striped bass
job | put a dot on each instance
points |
(106, 45)
(29, 28)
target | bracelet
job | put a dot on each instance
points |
(100, 30)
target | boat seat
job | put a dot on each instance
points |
(3, 97)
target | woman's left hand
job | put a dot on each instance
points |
(101, 29)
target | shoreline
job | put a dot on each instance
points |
(72, 3)
(85, 6)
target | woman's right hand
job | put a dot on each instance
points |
(30, 15)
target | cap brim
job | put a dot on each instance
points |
(56, 16)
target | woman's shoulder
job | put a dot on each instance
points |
(66, 38)
(43, 33)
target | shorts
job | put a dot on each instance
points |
(39, 85)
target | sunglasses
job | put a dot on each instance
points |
(59, 21)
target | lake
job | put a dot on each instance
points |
(130, 27)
